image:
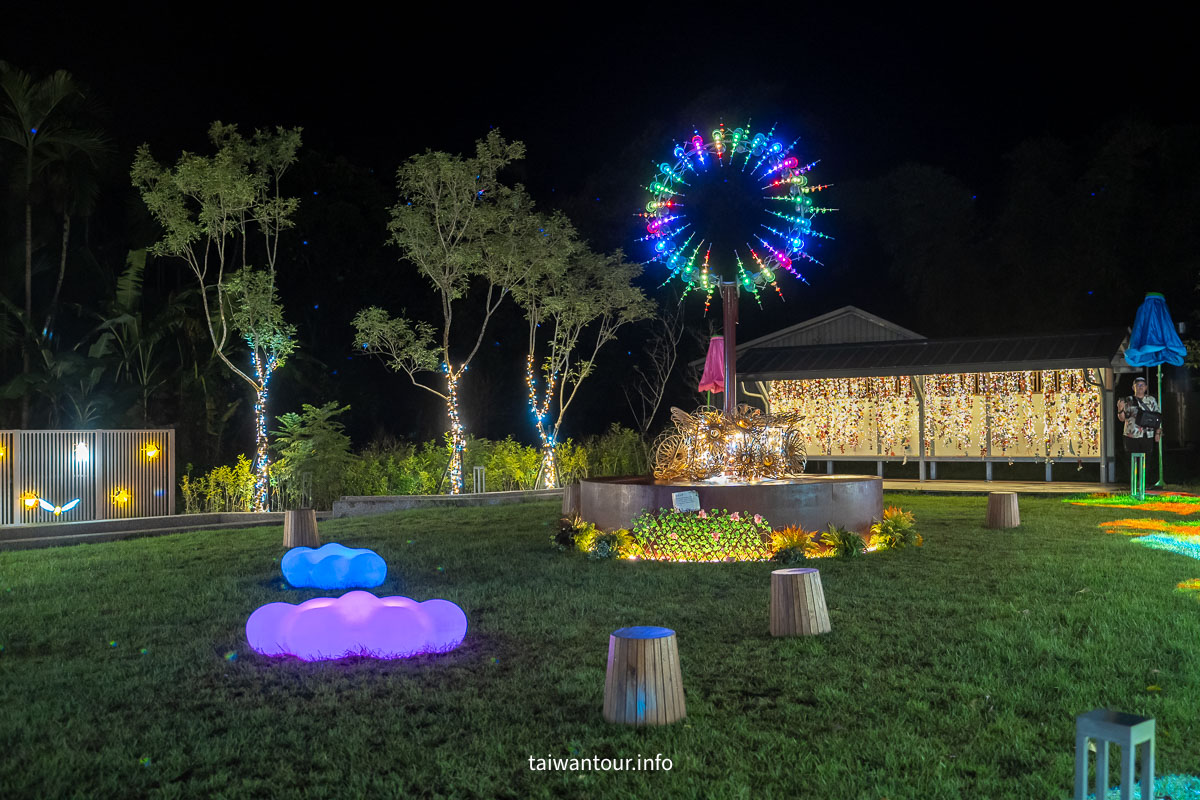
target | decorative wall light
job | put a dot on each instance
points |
(120, 497)
(151, 451)
(57, 510)
(356, 624)
(333, 566)
(2, 452)
(81, 453)
(30, 499)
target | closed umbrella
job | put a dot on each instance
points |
(713, 379)
(1152, 343)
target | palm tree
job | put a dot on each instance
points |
(37, 119)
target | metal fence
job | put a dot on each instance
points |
(52, 476)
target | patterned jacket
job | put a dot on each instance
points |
(1132, 429)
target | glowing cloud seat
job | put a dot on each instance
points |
(356, 624)
(333, 566)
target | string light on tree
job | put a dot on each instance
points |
(458, 439)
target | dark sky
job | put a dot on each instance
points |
(873, 91)
(599, 92)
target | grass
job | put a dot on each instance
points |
(953, 670)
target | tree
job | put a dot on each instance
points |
(213, 210)
(38, 120)
(574, 305)
(314, 454)
(645, 388)
(475, 240)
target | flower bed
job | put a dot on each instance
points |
(710, 536)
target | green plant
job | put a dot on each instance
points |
(562, 535)
(611, 544)
(791, 545)
(224, 488)
(843, 543)
(314, 452)
(585, 535)
(619, 451)
(669, 535)
(895, 530)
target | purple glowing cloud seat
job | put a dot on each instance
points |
(333, 566)
(356, 624)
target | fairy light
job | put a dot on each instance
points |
(120, 497)
(1048, 414)
(769, 164)
(541, 411)
(263, 370)
(748, 445)
(458, 439)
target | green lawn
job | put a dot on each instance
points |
(953, 671)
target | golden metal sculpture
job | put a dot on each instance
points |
(747, 446)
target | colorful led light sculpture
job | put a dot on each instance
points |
(767, 163)
(356, 624)
(333, 566)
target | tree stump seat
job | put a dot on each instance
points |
(300, 528)
(798, 603)
(1002, 511)
(643, 684)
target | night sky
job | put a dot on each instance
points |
(599, 99)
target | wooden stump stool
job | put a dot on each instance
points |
(643, 685)
(300, 528)
(1002, 511)
(798, 603)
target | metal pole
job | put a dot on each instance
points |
(729, 310)
(1160, 411)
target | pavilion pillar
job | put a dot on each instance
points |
(729, 310)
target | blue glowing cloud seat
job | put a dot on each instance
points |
(356, 624)
(333, 566)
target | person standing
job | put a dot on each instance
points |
(1142, 417)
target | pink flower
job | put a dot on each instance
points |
(701, 514)
(716, 535)
(672, 535)
(735, 516)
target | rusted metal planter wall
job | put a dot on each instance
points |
(114, 474)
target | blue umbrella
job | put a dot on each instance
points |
(1154, 342)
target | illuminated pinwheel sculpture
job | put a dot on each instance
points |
(767, 164)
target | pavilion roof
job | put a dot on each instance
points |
(1073, 350)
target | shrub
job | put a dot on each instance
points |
(611, 544)
(223, 488)
(562, 536)
(843, 543)
(895, 530)
(791, 545)
(618, 451)
(669, 535)
(314, 453)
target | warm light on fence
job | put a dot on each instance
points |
(120, 497)
(29, 499)
(151, 450)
